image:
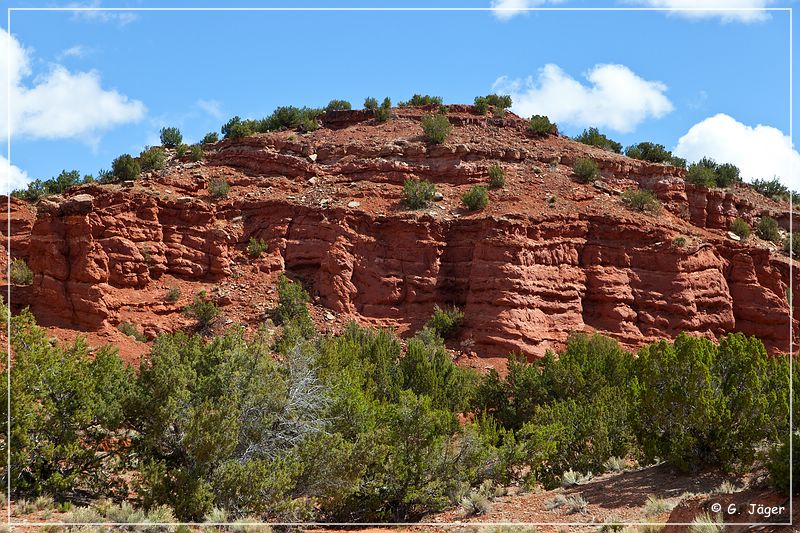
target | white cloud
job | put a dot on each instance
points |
(506, 9)
(616, 97)
(59, 104)
(11, 177)
(699, 9)
(92, 15)
(73, 51)
(759, 152)
(212, 107)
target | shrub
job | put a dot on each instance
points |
(132, 331)
(792, 244)
(418, 193)
(740, 228)
(370, 103)
(62, 386)
(499, 102)
(436, 127)
(694, 413)
(44, 503)
(125, 168)
(778, 465)
(210, 138)
(173, 294)
(701, 175)
(771, 188)
(236, 128)
(202, 309)
(303, 118)
(419, 100)
(767, 229)
(727, 174)
(445, 322)
(497, 178)
(197, 153)
(21, 274)
(338, 105)
(181, 150)
(292, 301)
(152, 158)
(655, 153)
(593, 137)
(57, 185)
(476, 198)
(585, 169)
(384, 112)
(171, 137)
(709, 173)
(218, 187)
(641, 200)
(540, 125)
(679, 241)
(481, 105)
(256, 247)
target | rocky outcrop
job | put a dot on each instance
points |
(524, 283)
(548, 257)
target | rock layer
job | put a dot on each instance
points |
(527, 271)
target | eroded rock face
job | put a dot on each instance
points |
(524, 283)
(548, 257)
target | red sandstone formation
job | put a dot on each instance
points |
(547, 257)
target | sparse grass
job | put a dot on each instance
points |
(571, 478)
(641, 200)
(132, 331)
(726, 487)
(576, 504)
(705, 523)
(657, 506)
(218, 187)
(256, 247)
(555, 502)
(43, 503)
(497, 177)
(615, 464)
(24, 507)
(21, 274)
(475, 503)
(612, 523)
(83, 515)
(216, 516)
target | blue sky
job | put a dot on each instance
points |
(89, 86)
